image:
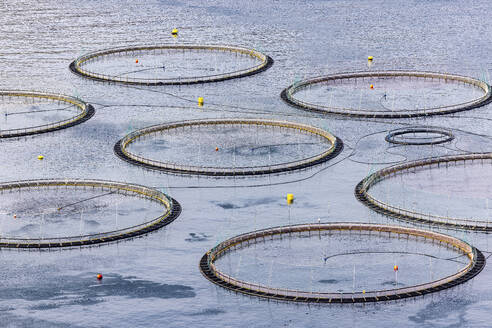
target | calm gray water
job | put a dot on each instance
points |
(154, 281)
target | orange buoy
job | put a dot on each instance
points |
(15, 216)
(136, 61)
(99, 276)
(216, 148)
(371, 86)
(395, 268)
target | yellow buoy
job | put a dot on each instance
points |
(371, 86)
(370, 58)
(40, 157)
(363, 291)
(290, 199)
(174, 32)
(200, 101)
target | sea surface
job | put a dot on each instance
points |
(154, 281)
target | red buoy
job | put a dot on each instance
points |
(99, 276)
(395, 268)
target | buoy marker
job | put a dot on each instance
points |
(290, 199)
(370, 58)
(136, 61)
(216, 148)
(371, 86)
(174, 32)
(99, 276)
(200, 101)
(395, 268)
(40, 157)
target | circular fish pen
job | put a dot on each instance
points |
(451, 167)
(388, 94)
(175, 64)
(45, 213)
(419, 136)
(213, 142)
(23, 107)
(345, 249)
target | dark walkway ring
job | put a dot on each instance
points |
(173, 209)
(363, 187)
(444, 136)
(265, 62)
(208, 269)
(86, 112)
(121, 151)
(288, 95)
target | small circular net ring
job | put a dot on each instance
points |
(399, 136)
(288, 95)
(86, 111)
(210, 271)
(265, 62)
(120, 149)
(171, 212)
(363, 187)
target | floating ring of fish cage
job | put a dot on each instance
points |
(368, 82)
(419, 136)
(335, 146)
(260, 239)
(78, 112)
(54, 214)
(153, 70)
(414, 216)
